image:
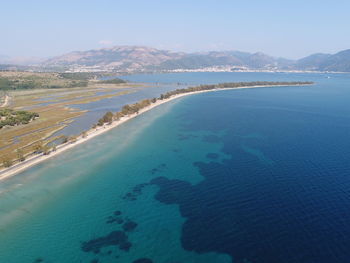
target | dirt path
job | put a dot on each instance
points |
(6, 102)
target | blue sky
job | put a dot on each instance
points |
(291, 29)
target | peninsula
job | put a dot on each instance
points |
(111, 120)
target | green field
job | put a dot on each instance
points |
(13, 80)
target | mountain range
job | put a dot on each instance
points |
(140, 58)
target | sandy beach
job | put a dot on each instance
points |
(35, 159)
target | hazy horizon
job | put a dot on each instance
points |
(161, 48)
(293, 30)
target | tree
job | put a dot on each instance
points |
(64, 139)
(20, 155)
(100, 122)
(54, 147)
(38, 147)
(108, 117)
(7, 162)
(126, 110)
(84, 134)
(73, 139)
(46, 150)
(118, 115)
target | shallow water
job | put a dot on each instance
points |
(254, 175)
(95, 110)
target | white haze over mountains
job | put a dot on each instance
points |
(140, 58)
(20, 60)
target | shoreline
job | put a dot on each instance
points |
(237, 71)
(6, 173)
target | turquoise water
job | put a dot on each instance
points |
(255, 175)
(56, 205)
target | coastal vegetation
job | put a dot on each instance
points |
(81, 75)
(230, 86)
(11, 117)
(136, 107)
(20, 155)
(14, 80)
(7, 162)
(55, 111)
(112, 81)
(107, 118)
(40, 146)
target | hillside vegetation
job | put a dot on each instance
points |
(13, 80)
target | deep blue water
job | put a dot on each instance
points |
(253, 175)
(197, 78)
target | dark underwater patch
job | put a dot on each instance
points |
(212, 156)
(125, 246)
(261, 215)
(112, 219)
(136, 190)
(117, 213)
(171, 191)
(115, 238)
(158, 169)
(115, 218)
(142, 260)
(130, 197)
(211, 139)
(129, 226)
(182, 137)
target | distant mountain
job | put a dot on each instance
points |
(223, 58)
(201, 60)
(120, 58)
(312, 62)
(339, 62)
(139, 58)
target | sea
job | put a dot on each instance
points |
(258, 175)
